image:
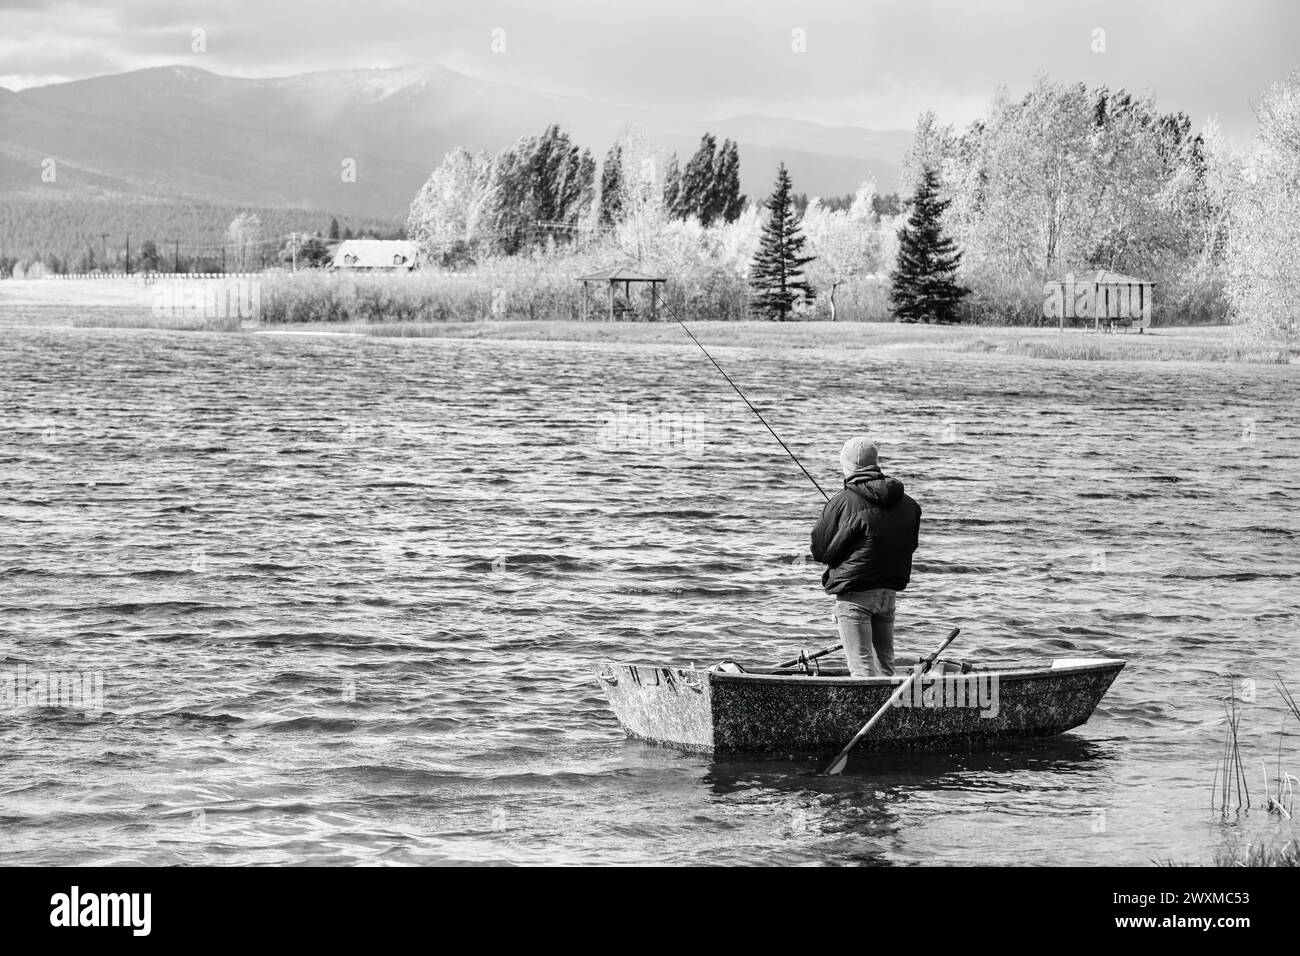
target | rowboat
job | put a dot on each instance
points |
(766, 710)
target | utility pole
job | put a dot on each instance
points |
(293, 241)
(176, 260)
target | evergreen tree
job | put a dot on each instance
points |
(672, 186)
(611, 188)
(150, 259)
(776, 275)
(725, 201)
(886, 205)
(543, 185)
(334, 229)
(308, 252)
(924, 285)
(694, 196)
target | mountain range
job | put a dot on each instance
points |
(186, 134)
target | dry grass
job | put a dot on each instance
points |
(96, 303)
(71, 294)
(1199, 344)
(133, 320)
(1237, 854)
(126, 304)
(1259, 854)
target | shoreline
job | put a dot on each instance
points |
(43, 303)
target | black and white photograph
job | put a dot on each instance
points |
(550, 433)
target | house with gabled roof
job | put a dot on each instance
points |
(374, 255)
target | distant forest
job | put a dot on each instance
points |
(74, 235)
(888, 204)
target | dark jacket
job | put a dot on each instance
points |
(866, 536)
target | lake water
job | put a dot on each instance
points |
(346, 596)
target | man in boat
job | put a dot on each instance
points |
(865, 537)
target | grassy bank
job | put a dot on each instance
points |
(1198, 344)
(127, 304)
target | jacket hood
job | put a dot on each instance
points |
(880, 491)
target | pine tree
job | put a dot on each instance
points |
(776, 275)
(611, 188)
(924, 285)
(334, 230)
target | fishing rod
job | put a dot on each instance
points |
(676, 318)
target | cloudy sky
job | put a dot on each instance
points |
(866, 63)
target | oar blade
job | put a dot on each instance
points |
(837, 766)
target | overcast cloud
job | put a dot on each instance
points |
(874, 64)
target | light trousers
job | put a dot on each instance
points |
(866, 623)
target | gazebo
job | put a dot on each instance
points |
(1103, 296)
(612, 278)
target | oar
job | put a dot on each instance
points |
(811, 657)
(841, 761)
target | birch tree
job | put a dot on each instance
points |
(447, 214)
(1263, 249)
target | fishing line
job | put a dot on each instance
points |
(676, 318)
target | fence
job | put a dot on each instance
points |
(147, 277)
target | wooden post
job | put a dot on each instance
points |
(586, 301)
(611, 300)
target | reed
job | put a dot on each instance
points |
(502, 290)
(1230, 790)
(545, 287)
(1230, 794)
(1283, 803)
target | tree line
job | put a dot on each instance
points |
(79, 236)
(542, 196)
(1065, 178)
(1068, 178)
(542, 191)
